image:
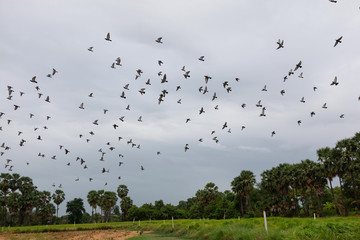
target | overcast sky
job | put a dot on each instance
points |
(238, 39)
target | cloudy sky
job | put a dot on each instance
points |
(238, 39)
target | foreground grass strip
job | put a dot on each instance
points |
(279, 228)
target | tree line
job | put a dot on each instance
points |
(291, 190)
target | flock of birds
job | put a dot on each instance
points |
(5, 148)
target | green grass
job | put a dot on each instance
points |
(279, 228)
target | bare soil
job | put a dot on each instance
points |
(74, 235)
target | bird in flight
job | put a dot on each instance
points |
(186, 147)
(258, 104)
(334, 82)
(158, 40)
(108, 37)
(280, 44)
(33, 79)
(298, 66)
(81, 106)
(262, 114)
(201, 58)
(337, 41)
(118, 60)
(90, 49)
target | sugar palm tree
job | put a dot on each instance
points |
(122, 191)
(349, 149)
(93, 200)
(109, 200)
(5, 179)
(242, 185)
(13, 203)
(58, 197)
(325, 156)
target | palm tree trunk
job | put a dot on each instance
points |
(319, 203)
(92, 214)
(249, 203)
(312, 198)
(355, 190)
(333, 196)
(57, 211)
(241, 207)
(342, 197)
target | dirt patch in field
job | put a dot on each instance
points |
(74, 235)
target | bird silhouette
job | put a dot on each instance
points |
(280, 44)
(262, 114)
(334, 82)
(123, 95)
(90, 49)
(142, 91)
(118, 61)
(108, 37)
(158, 40)
(207, 79)
(298, 66)
(259, 104)
(337, 41)
(186, 147)
(33, 79)
(201, 58)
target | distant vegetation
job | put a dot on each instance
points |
(287, 190)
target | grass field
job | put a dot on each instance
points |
(253, 228)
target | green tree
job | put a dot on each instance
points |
(5, 179)
(125, 205)
(93, 200)
(58, 197)
(325, 156)
(13, 204)
(45, 210)
(122, 191)
(29, 199)
(350, 149)
(76, 209)
(242, 186)
(109, 200)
